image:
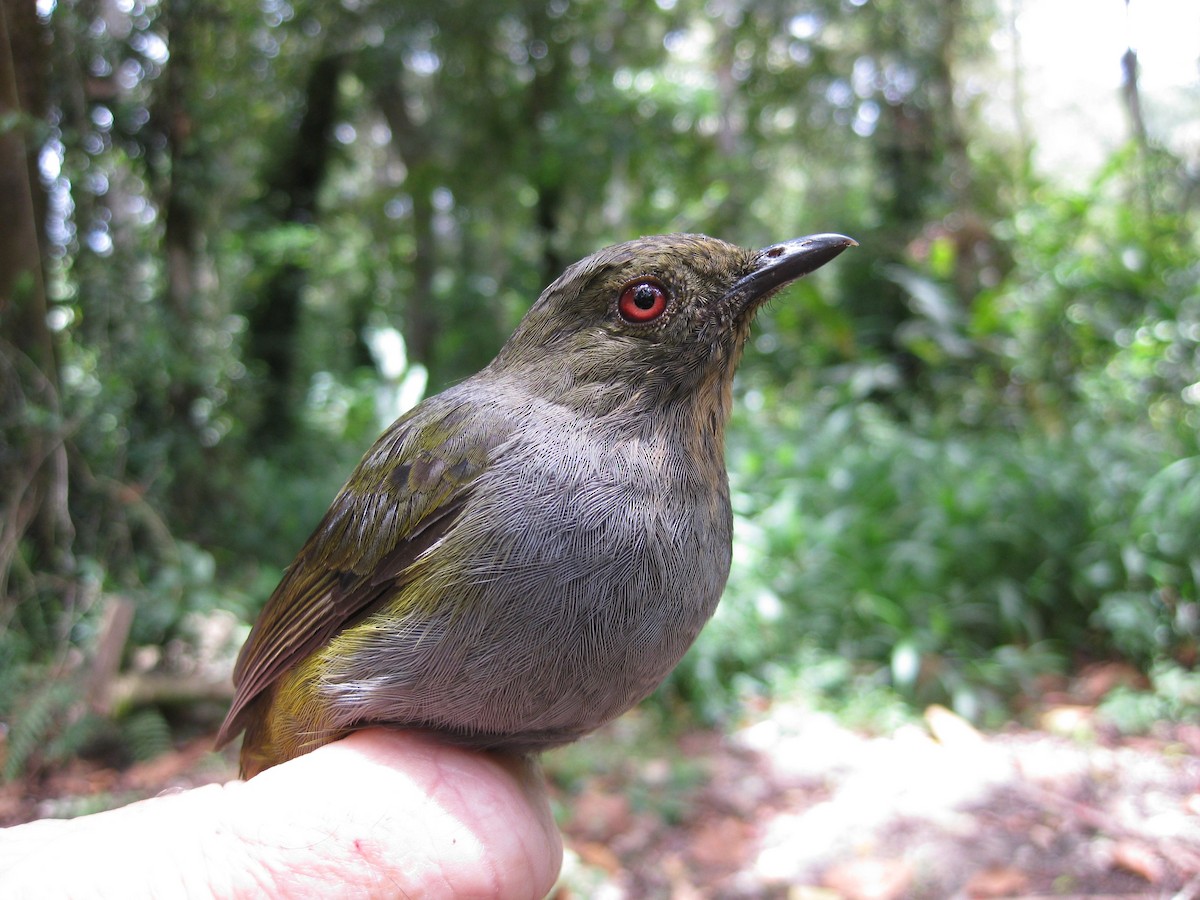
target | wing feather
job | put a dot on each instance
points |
(404, 495)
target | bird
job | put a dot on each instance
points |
(526, 555)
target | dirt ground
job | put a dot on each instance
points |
(798, 806)
(795, 805)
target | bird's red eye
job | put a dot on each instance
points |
(642, 301)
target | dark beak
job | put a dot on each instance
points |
(780, 264)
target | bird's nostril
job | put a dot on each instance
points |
(774, 252)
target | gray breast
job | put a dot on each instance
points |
(576, 577)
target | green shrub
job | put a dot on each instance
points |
(963, 565)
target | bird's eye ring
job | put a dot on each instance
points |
(642, 300)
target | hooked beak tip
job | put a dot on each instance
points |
(781, 264)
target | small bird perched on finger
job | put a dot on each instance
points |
(526, 555)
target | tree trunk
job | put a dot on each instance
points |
(291, 198)
(545, 97)
(180, 197)
(1131, 94)
(414, 148)
(33, 462)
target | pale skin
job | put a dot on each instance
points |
(379, 814)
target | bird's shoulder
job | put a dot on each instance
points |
(423, 462)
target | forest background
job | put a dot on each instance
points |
(237, 239)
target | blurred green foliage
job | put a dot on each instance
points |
(963, 457)
(1174, 696)
(966, 563)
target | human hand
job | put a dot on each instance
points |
(379, 814)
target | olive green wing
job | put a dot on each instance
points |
(404, 495)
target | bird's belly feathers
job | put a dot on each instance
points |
(580, 602)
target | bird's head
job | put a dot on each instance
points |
(653, 319)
